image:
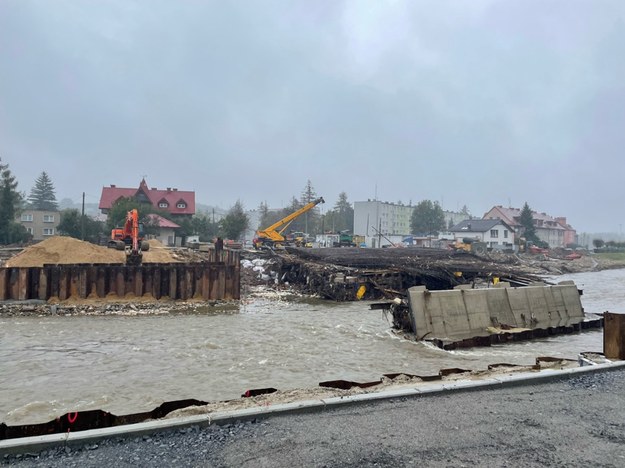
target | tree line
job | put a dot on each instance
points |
(427, 217)
(339, 218)
(42, 197)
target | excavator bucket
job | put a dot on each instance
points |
(133, 258)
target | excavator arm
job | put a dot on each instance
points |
(133, 254)
(273, 234)
(130, 238)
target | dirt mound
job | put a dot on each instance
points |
(66, 250)
(158, 253)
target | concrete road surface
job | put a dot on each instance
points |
(578, 422)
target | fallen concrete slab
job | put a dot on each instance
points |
(465, 317)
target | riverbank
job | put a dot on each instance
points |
(259, 279)
(575, 421)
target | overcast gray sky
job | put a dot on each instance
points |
(466, 102)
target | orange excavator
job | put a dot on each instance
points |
(130, 239)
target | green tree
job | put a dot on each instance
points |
(199, 225)
(427, 218)
(234, 224)
(42, 196)
(598, 243)
(299, 223)
(310, 218)
(267, 216)
(10, 205)
(341, 217)
(526, 220)
(117, 214)
(72, 224)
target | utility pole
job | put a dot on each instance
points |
(82, 219)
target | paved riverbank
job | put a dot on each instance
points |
(573, 422)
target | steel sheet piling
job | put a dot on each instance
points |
(177, 281)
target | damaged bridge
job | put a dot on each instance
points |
(465, 317)
(345, 274)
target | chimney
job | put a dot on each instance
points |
(175, 190)
(169, 189)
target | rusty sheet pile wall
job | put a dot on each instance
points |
(462, 313)
(217, 278)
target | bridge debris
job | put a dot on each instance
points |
(347, 274)
(465, 317)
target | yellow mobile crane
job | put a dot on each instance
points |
(270, 236)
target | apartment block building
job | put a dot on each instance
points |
(41, 224)
(374, 218)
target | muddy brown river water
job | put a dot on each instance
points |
(126, 364)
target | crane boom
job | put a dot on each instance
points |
(272, 235)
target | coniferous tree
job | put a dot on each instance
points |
(341, 217)
(234, 224)
(527, 222)
(42, 196)
(10, 203)
(310, 219)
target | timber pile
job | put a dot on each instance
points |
(336, 273)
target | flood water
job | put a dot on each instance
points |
(127, 364)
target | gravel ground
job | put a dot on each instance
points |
(574, 422)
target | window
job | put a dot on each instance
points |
(27, 217)
(181, 205)
(163, 205)
(30, 230)
(494, 233)
(48, 231)
(48, 218)
(505, 233)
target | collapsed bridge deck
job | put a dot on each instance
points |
(340, 273)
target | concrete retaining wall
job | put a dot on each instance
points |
(463, 313)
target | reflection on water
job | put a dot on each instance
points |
(125, 364)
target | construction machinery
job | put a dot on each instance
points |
(345, 240)
(130, 239)
(469, 245)
(272, 236)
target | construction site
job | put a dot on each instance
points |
(63, 269)
(487, 299)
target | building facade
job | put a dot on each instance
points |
(178, 203)
(496, 233)
(554, 231)
(375, 220)
(41, 224)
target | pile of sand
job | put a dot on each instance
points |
(66, 250)
(158, 253)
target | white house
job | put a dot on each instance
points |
(496, 233)
(167, 230)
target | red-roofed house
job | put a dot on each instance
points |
(166, 231)
(178, 203)
(554, 231)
